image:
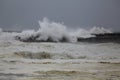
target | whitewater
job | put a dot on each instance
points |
(57, 60)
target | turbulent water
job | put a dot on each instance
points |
(57, 32)
(57, 61)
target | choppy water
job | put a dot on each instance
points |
(58, 61)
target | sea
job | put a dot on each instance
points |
(71, 60)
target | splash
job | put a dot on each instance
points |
(51, 31)
(81, 33)
(99, 30)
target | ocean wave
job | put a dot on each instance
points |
(51, 31)
(46, 55)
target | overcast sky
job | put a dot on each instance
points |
(24, 14)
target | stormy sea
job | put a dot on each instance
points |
(54, 52)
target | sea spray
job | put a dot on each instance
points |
(48, 32)
(51, 31)
(99, 30)
(25, 35)
(81, 33)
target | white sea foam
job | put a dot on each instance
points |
(26, 34)
(82, 33)
(99, 30)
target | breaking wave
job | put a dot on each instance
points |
(64, 56)
(46, 55)
(51, 31)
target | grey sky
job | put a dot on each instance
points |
(24, 14)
